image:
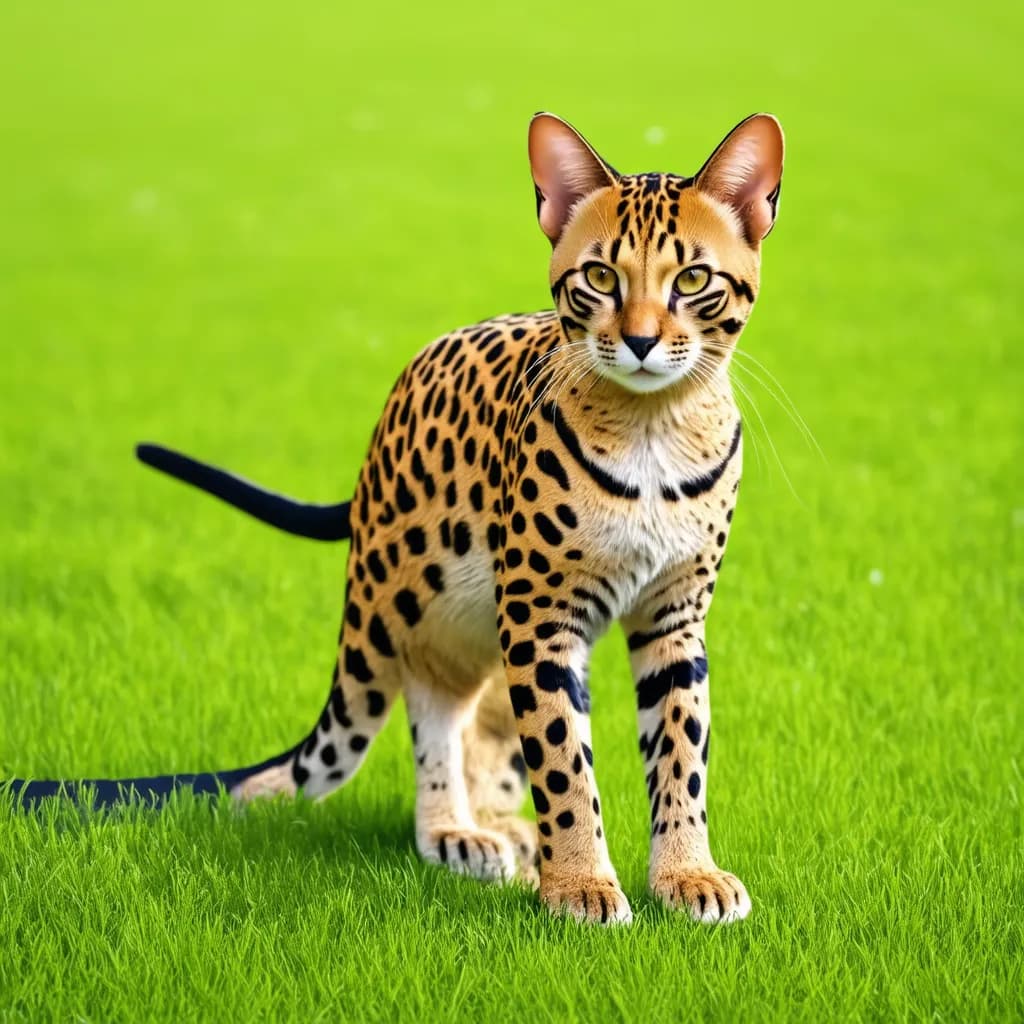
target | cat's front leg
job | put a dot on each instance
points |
(670, 668)
(546, 663)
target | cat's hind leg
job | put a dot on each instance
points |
(446, 831)
(496, 773)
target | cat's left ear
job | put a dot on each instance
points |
(745, 172)
(565, 169)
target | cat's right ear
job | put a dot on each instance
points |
(565, 169)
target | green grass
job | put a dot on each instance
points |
(228, 228)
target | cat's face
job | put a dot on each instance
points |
(654, 275)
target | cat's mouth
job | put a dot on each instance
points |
(643, 380)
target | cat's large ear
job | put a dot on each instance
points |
(565, 169)
(745, 172)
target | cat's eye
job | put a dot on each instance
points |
(601, 278)
(692, 280)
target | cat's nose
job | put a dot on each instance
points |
(639, 345)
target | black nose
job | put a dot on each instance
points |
(638, 345)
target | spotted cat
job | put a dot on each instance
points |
(532, 479)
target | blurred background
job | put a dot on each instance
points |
(227, 228)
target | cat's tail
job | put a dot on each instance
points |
(318, 522)
(151, 790)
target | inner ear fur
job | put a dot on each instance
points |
(745, 173)
(565, 169)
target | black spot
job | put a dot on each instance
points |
(517, 611)
(544, 828)
(355, 665)
(521, 653)
(588, 754)
(404, 498)
(432, 574)
(692, 729)
(523, 699)
(447, 455)
(380, 638)
(547, 529)
(408, 606)
(353, 616)
(358, 743)
(376, 566)
(476, 496)
(566, 819)
(328, 754)
(462, 538)
(533, 753)
(547, 462)
(299, 774)
(730, 326)
(339, 708)
(558, 782)
(693, 784)
(375, 703)
(513, 558)
(528, 489)
(556, 732)
(566, 514)
(540, 800)
(518, 523)
(538, 563)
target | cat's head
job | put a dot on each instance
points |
(654, 275)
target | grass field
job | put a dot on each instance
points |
(227, 229)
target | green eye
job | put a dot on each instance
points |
(692, 280)
(601, 278)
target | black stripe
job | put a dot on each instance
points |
(696, 487)
(654, 688)
(572, 445)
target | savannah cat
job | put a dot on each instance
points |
(532, 479)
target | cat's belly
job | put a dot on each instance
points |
(458, 634)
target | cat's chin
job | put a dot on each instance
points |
(643, 382)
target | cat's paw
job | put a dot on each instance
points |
(594, 900)
(479, 853)
(523, 835)
(707, 894)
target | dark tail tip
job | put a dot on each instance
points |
(318, 522)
